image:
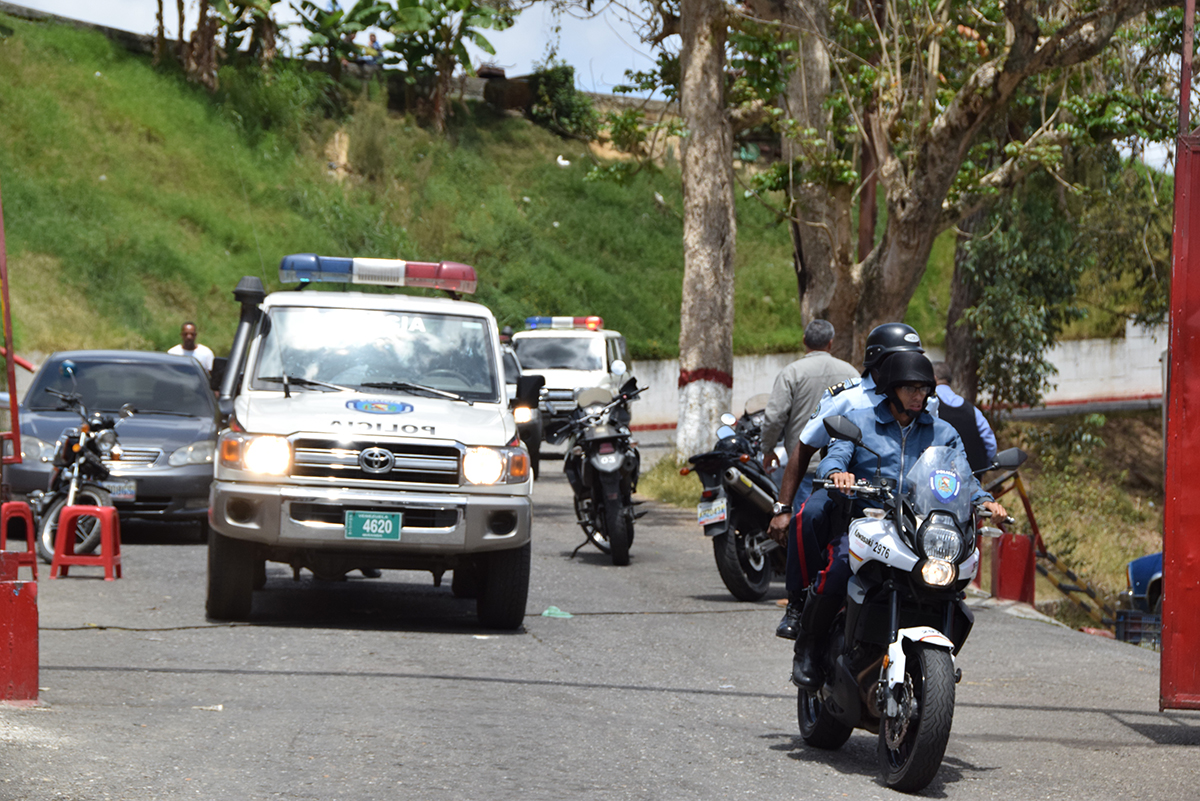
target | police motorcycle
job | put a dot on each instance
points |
(889, 664)
(735, 504)
(78, 475)
(602, 464)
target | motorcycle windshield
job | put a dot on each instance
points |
(941, 481)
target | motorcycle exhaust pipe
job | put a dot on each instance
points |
(737, 481)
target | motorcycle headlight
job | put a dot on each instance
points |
(940, 538)
(264, 453)
(938, 572)
(34, 449)
(106, 439)
(197, 453)
(487, 466)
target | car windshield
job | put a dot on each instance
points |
(560, 353)
(106, 386)
(355, 348)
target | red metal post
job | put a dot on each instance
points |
(13, 435)
(1179, 678)
(18, 634)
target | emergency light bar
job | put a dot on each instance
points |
(309, 267)
(590, 323)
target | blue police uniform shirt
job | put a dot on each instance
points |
(898, 451)
(856, 393)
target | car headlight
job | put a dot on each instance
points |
(34, 449)
(265, 454)
(522, 415)
(940, 538)
(495, 465)
(197, 453)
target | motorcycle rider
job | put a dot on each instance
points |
(804, 548)
(899, 429)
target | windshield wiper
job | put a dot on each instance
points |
(160, 411)
(411, 387)
(287, 380)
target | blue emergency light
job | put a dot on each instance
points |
(592, 323)
(310, 268)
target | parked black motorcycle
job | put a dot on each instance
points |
(602, 465)
(735, 506)
(889, 664)
(78, 472)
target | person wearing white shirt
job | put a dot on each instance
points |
(188, 346)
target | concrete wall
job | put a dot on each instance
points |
(1089, 370)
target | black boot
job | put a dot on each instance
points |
(818, 614)
(790, 624)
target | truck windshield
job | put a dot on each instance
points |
(356, 347)
(560, 353)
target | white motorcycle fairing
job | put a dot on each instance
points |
(875, 540)
(894, 672)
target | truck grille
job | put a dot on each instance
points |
(134, 457)
(411, 463)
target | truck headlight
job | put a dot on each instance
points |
(197, 453)
(265, 454)
(486, 466)
(522, 415)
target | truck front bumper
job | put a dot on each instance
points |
(312, 518)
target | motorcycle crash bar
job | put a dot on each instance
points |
(592, 323)
(307, 268)
(737, 481)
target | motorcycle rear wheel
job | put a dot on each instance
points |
(618, 532)
(818, 727)
(87, 531)
(747, 577)
(911, 747)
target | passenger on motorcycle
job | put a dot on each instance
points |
(804, 552)
(899, 429)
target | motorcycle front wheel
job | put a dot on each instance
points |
(745, 570)
(912, 744)
(87, 531)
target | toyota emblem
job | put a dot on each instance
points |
(376, 460)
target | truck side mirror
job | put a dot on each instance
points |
(529, 387)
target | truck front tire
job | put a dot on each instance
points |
(503, 588)
(231, 577)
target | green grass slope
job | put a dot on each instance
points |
(134, 201)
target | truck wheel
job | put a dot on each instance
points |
(504, 588)
(232, 565)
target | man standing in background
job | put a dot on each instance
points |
(795, 395)
(972, 427)
(188, 346)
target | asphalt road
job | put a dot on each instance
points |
(659, 687)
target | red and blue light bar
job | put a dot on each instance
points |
(310, 268)
(592, 323)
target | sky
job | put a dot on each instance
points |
(600, 49)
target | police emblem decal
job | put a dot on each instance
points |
(945, 484)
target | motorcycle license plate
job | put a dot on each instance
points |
(708, 512)
(373, 526)
(125, 490)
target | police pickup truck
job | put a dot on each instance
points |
(370, 431)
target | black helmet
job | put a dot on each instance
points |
(904, 367)
(889, 338)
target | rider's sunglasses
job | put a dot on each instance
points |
(915, 389)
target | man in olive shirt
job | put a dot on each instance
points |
(797, 391)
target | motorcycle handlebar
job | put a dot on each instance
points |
(862, 487)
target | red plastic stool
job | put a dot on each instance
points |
(19, 510)
(110, 541)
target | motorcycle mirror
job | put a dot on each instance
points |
(1011, 458)
(629, 386)
(127, 410)
(839, 427)
(725, 431)
(728, 419)
(67, 369)
(618, 368)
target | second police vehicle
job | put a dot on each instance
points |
(370, 431)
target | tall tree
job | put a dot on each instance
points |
(709, 228)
